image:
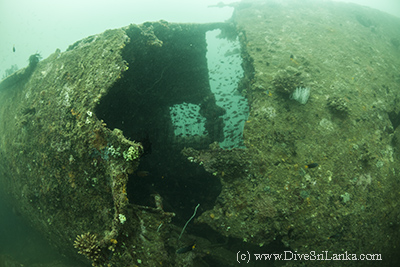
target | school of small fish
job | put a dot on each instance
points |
(225, 71)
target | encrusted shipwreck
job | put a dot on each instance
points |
(66, 169)
(89, 154)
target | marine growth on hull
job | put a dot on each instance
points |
(181, 89)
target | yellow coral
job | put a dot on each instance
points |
(88, 245)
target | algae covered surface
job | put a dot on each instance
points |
(346, 55)
(91, 158)
(53, 145)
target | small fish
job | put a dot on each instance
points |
(312, 165)
(142, 173)
(14, 48)
(186, 249)
(337, 235)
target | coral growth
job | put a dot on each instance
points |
(286, 80)
(132, 153)
(264, 207)
(364, 180)
(88, 245)
(301, 95)
(10, 71)
(338, 105)
(34, 60)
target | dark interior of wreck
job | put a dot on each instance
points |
(139, 104)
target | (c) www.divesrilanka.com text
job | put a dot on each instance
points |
(246, 257)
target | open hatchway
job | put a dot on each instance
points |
(167, 101)
(67, 171)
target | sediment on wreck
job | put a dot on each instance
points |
(60, 171)
(67, 155)
(318, 176)
(313, 177)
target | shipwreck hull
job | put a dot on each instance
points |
(91, 157)
(67, 170)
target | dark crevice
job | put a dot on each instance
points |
(394, 119)
(167, 66)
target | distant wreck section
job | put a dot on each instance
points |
(89, 155)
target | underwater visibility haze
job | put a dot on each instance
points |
(269, 137)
